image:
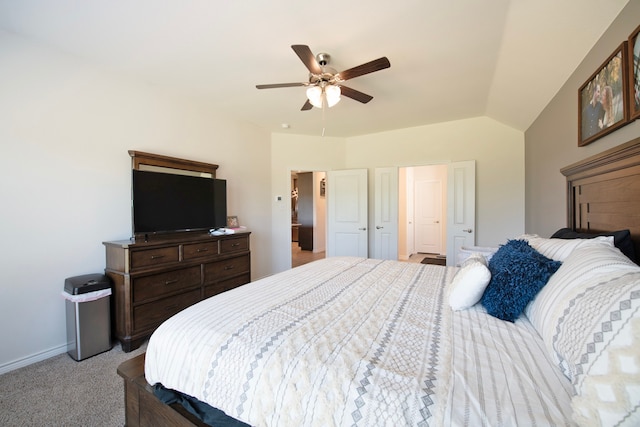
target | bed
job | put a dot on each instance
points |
(362, 342)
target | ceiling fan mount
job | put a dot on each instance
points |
(322, 76)
(323, 59)
(328, 74)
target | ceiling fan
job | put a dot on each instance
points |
(325, 83)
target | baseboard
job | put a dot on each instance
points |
(37, 357)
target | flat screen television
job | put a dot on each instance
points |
(165, 202)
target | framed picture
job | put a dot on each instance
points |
(602, 100)
(634, 75)
(232, 222)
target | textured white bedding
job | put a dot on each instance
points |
(359, 342)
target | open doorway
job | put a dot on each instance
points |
(423, 213)
(308, 216)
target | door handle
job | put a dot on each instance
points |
(378, 227)
(468, 230)
(437, 222)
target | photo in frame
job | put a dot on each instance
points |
(602, 99)
(634, 74)
(232, 222)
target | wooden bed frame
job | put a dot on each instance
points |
(603, 194)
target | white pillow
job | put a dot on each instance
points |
(469, 283)
(560, 249)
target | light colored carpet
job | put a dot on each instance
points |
(62, 392)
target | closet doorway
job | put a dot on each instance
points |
(308, 216)
(437, 210)
(424, 213)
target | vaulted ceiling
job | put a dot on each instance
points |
(450, 60)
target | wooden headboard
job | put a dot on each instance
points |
(603, 192)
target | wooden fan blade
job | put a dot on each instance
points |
(307, 106)
(369, 67)
(355, 94)
(277, 85)
(307, 58)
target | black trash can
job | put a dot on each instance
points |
(88, 315)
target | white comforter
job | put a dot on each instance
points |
(359, 342)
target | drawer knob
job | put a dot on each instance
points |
(170, 282)
(202, 250)
(235, 244)
(157, 256)
(228, 267)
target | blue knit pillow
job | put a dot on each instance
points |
(518, 272)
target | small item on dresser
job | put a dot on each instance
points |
(234, 230)
(232, 221)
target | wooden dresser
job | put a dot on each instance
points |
(154, 280)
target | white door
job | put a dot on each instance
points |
(386, 213)
(461, 208)
(428, 216)
(347, 212)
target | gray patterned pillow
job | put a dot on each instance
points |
(600, 336)
(586, 266)
(588, 315)
(560, 249)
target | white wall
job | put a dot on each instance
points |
(552, 140)
(497, 149)
(290, 152)
(65, 129)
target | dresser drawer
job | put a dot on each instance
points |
(237, 244)
(199, 250)
(225, 285)
(220, 270)
(157, 256)
(160, 284)
(151, 315)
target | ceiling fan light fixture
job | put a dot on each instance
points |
(332, 93)
(324, 82)
(314, 94)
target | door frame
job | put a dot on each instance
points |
(319, 218)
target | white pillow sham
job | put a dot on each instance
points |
(466, 251)
(560, 249)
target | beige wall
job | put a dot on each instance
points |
(65, 129)
(552, 140)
